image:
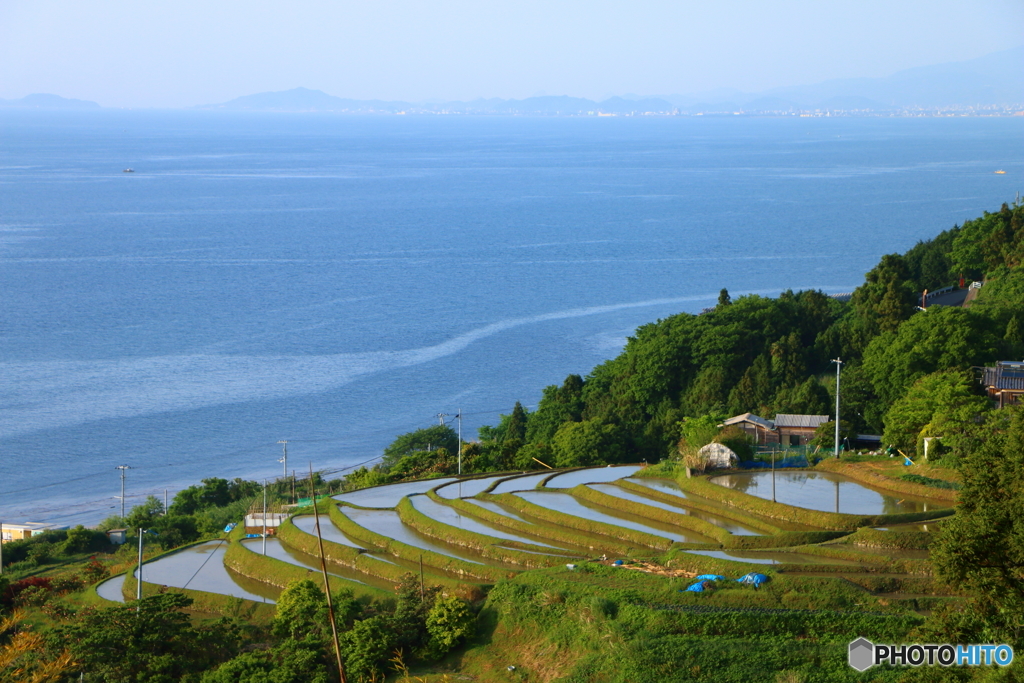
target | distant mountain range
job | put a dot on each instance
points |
(46, 101)
(993, 83)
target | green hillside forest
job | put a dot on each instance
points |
(615, 606)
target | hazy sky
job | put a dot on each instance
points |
(146, 54)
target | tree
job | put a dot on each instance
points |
(980, 550)
(301, 612)
(591, 442)
(943, 338)
(723, 297)
(557, 406)
(367, 647)
(149, 640)
(944, 401)
(421, 440)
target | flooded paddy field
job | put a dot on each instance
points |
(732, 527)
(388, 523)
(526, 483)
(285, 553)
(328, 531)
(452, 517)
(387, 496)
(497, 509)
(111, 589)
(597, 475)
(563, 502)
(201, 567)
(464, 488)
(827, 492)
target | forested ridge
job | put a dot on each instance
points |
(773, 355)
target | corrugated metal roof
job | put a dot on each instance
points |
(811, 421)
(753, 419)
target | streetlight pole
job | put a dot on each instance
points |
(839, 365)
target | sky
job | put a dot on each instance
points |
(189, 52)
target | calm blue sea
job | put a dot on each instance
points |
(334, 281)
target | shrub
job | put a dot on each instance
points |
(449, 622)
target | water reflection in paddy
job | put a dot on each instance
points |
(590, 476)
(662, 485)
(496, 508)
(387, 523)
(823, 490)
(201, 567)
(728, 525)
(388, 496)
(111, 589)
(467, 487)
(328, 531)
(285, 554)
(452, 517)
(563, 502)
(521, 483)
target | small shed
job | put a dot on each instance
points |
(254, 522)
(118, 536)
(761, 429)
(797, 430)
(718, 456)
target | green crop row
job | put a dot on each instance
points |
(391, 546)
(485, 545)
(755, 523)
(574, 522)
(558, 534)
(680, 519)
(901, 539)
(784, 539)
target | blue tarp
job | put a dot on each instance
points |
(753, 579)
(710, 577)
(780, 463)
(698, 587)
(229, 527)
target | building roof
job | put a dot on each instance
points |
(752, 419)
(807, 421)
(31, 526)
(1005, 375)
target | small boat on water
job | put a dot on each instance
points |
(128, 170)
(1000, 172)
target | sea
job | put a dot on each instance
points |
(334, 281)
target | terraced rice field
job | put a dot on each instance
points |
(480, 530)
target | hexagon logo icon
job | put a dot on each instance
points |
(862, 654)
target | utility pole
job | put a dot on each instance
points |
(122, 468)
(839, 365)
(1, 548)
(165, 502)
(459, 416)
(138, 583)
(264, 516)
(327, 583)
(284, 460)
